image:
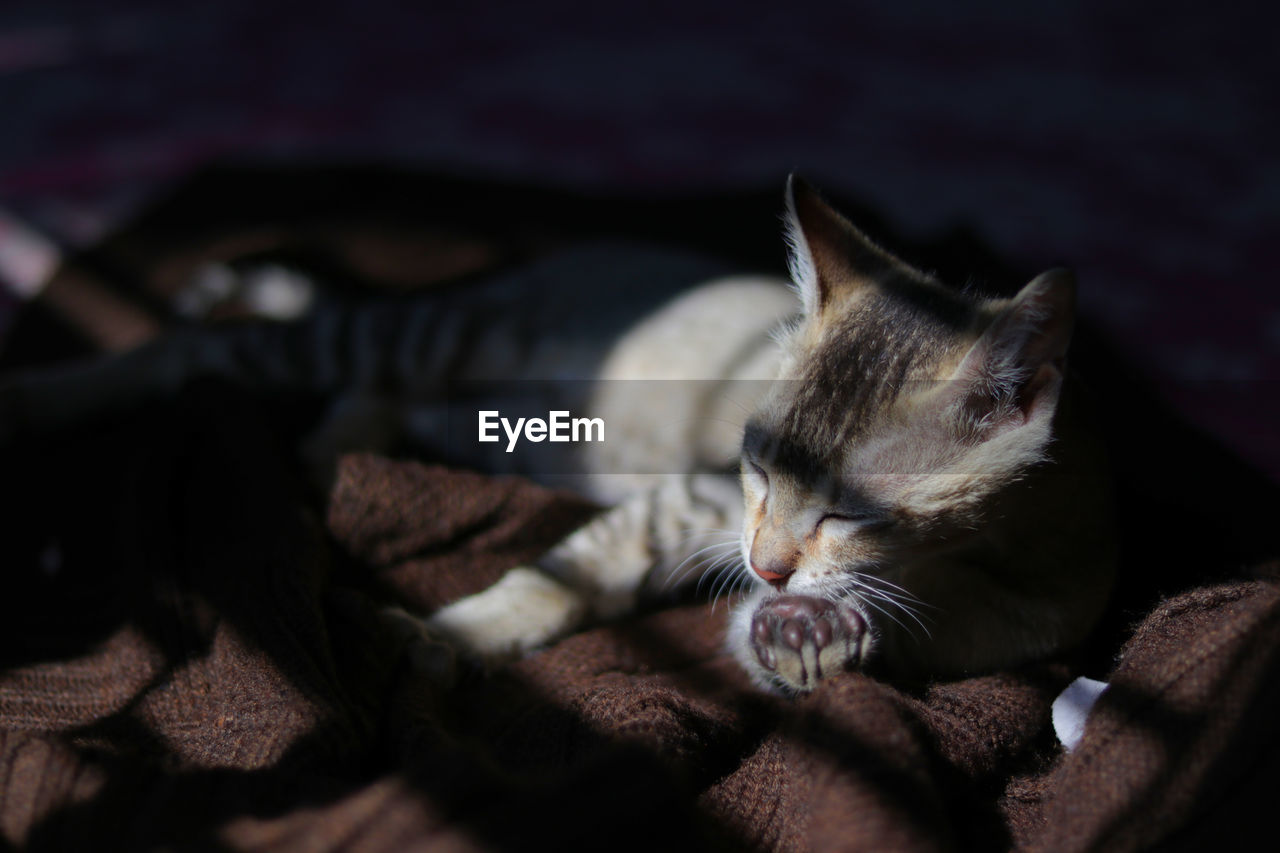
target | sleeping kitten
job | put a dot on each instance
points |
(907, 466)
(921, 489)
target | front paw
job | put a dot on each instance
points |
(800, 639)
(522, 611)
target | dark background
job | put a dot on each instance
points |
(1136, 142)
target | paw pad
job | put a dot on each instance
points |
(802, 639)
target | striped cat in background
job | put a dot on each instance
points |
(889, 472)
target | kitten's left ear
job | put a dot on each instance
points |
(1015, 370)
(829, 256)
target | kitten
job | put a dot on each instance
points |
(920, 486)
(907, 467)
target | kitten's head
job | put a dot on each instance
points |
(904, 410)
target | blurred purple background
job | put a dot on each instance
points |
(1137, 142)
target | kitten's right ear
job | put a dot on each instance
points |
(828, 256)
(1015, 369)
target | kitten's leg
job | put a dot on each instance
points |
(525, 609)
(647, 543)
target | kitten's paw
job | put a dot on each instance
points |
(800, 639)
(523, 610)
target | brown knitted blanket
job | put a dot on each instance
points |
(195, 653)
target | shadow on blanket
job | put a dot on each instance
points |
(194, 653)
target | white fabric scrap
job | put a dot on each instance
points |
(1071, 709)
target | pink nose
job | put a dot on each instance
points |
(769, 575)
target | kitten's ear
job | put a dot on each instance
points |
(828, 255)
(1015, 370)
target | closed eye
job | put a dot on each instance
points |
(755, 476)
(861, 520)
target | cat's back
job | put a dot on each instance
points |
(677, 386)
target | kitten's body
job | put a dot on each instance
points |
(919, 488)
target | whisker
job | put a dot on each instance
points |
(864, 577)
(742, 407)
(743, 583)
(715, 546)
(903, 601)
(731, 577)
(696, 561)
(695, 532)
(871, 601)
(908, 605)
(912, 613)
(714, 571)
(900, 596)
(723, 578)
